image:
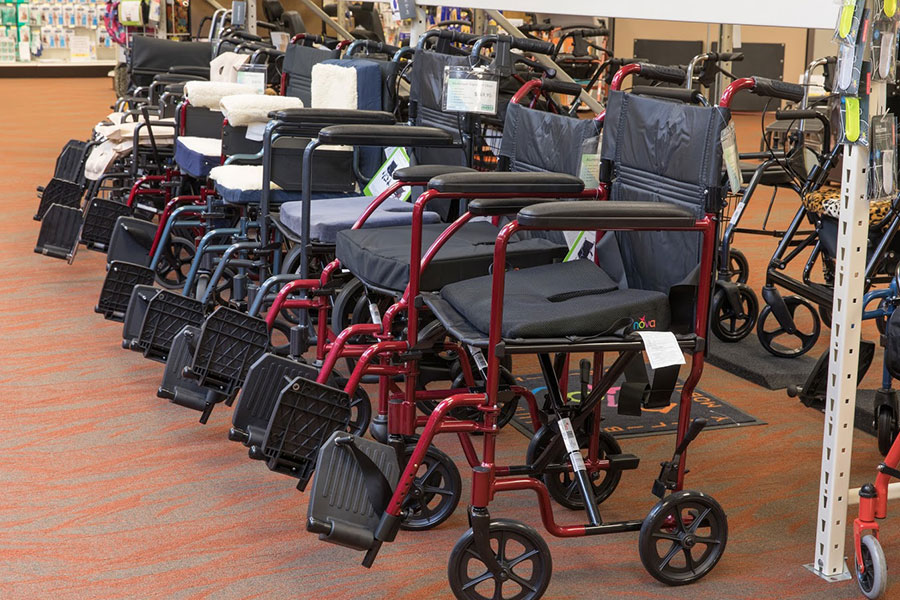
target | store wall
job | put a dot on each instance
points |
(794, 40)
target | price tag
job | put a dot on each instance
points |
(253, 77)
(469, 91)
(478, 357)
(397, 158)
(79, 48)
(728, 137)
(280, 39)
(571, 443)
(662, 348)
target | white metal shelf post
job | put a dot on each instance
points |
(843, 359)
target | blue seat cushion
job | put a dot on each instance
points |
(338, 214)
(197, 156)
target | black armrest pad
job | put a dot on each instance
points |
(176, 78)
(333, 116)
(602, 215)
(498, 207)
(190, 70)
(507, 183)
(426, 172)
(385, 135)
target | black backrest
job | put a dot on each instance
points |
(298, 63)
(662, 151)
(534, 140)
(151, 56)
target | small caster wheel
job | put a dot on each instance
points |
(738, 265)
(523, 556)
(683, 537)
(873, 580)
(777, 341)
(733, 323)
(562, 485)
(884, 426)
(434, 493)
(360, 412)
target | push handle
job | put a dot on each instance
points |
(679, 94)
(532, 45)
(763, 86)
(726, 56)
(662, 73)
(586, 32)
(797, 115)
(457, 36)
(371, 46)
(558, 86)
(693, 431)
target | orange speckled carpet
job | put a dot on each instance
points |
(108, 492)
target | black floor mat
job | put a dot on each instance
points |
(749, 360)
(651, 422)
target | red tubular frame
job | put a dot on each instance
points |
(874, 508)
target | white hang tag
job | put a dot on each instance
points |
(887, 165)
(728, 138)
(888, 41)
(255, 131)
(374, 313)
(478, 357)
(398, 158)
(571, 443)
(662, 348)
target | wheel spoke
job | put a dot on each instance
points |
(431, 489)
(481, 578)
(679, 519)
(523, 557)
(699, 520)
(689, 559)
(676, 547)
(498, 589)
(708, 541)
(429, 471)
(501, 546)
(523, 582)
(665, 536)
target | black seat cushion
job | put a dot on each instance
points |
(380, 257)
(572, 299)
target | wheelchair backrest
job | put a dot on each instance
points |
(534, 140)
(151, 56)
(426, 87)
(661, 151)
(202, 122)
(298, 63)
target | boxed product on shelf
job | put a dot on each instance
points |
(8, 14)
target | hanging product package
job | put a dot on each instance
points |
(470, 90)
(845, 32)
(855, 120)
(883, 171)
(850, 61)
(884, 49)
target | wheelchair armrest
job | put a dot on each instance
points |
(427, 172)
(176, 78)
(333, 116)
(605, 215)
(504, 182)
(385, 135)
(174, 88)
(190, 70)
(498, 207)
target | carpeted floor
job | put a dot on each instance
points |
(108, 492)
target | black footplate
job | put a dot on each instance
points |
(167, 314)
(179, 389)
(256, 400)
(348, 493)
(230, 341)
(99, 221)
(58, 237)
(61, 192)
(304, 415)
(134, 314)
(116, 292)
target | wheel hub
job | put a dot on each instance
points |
(688, 540)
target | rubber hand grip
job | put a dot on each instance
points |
(457, 36)
(797, 115)
(730, 57)
(680, 94)
(587, 32)
(558, 86)
(763, 86)
(532, 45)
(662, 73)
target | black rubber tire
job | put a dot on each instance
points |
(884, 429)
(562, 486)
(666, 523)
(728, 326)
(360, 412)
(170, 272)
(739, 265)
(440, 478)
(501, 532)
(873, 581)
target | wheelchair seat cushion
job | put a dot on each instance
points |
(246, 109)
(574, 299)
(338, 214)
(208, 94)
(380, 257)
(197, 156)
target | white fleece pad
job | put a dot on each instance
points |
(245, 109)
(202, 145)
(240, 177)
(207, 94)
(334, 86)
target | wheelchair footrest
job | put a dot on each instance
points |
(180, 355)
(116, 292)
(167, 314)
(134, 314)
(340, 505)
(303, 417)
(99, 221)
(623, 462)
(256, 400)
(230, 341)
(58, 191)
(58, 236)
